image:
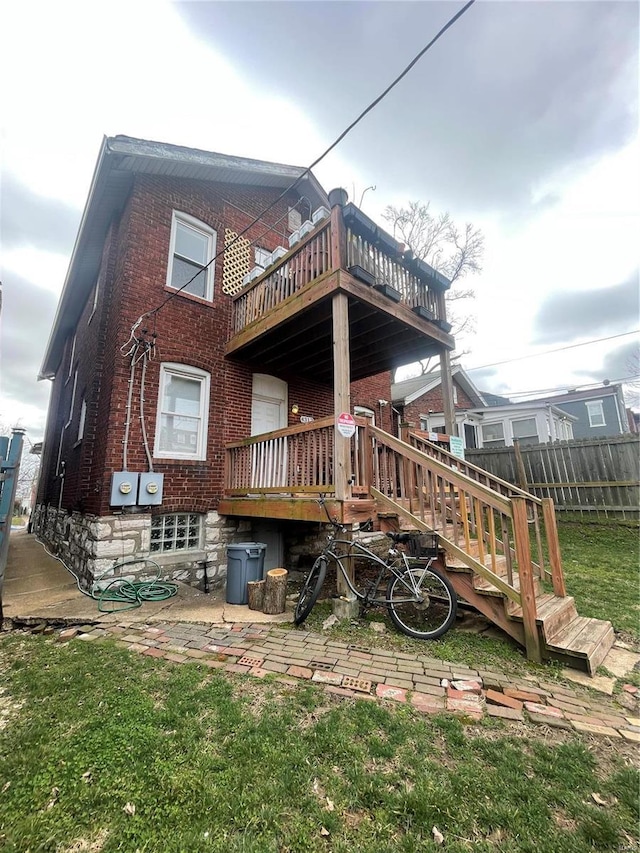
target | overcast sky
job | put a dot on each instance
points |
(523, 119)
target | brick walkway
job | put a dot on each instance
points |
(430, 685)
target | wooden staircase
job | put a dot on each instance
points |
(490, 532)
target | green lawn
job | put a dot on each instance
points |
(238, 764)
(601, 571)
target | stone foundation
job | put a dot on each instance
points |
(305, 544)
(119, 546)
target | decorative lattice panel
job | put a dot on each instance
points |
(237, 259)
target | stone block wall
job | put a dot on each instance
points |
(120, 544)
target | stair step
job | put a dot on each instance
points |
(553, 612)
(485, 587)
(584, 637)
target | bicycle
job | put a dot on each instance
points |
(421, 602)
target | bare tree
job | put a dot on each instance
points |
(454, 251)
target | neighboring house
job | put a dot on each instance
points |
(419, 402)
(598, 412)
(529, 422)
(148, 450)
(483, 420)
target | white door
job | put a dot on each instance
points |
(269, 413)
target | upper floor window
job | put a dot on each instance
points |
(596, 413)
(193, 244)
(183, 407)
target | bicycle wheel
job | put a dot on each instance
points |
(310, 591)
(421, 603)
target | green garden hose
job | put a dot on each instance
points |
(120, 591)
(130, 594)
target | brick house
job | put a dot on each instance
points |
(137, 457)
(222, 353)
(419, 401)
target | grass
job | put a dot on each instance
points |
(237, 764)
(601, 572)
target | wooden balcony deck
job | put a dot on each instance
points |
(396, 304)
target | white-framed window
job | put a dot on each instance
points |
(455, 395)
(493, 434)
(525, 430)
(178, 531)
(193, 244)
(182, 415)
(596, 413)
(83, 417)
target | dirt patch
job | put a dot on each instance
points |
(8, 709)
(84, 845)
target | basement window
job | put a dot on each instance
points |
(176, 532)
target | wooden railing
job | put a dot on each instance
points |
(490, 526)
(536, 507)
(389, 271)
(485, 528)
(295, 460)
(330, 247)
(309, 259)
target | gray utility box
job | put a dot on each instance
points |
(150, 492)
(124, 488)
(245, 562)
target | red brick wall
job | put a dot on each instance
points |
(189, 331)
(433, 401)
(367, 392)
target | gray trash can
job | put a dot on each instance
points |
(245, 562)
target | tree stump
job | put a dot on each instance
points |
(275, 591)
(255, 594)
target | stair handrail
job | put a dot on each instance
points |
(435, 451)
(513, 508)
(473, 487)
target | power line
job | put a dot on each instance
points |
(550, 351)
(344, 133)
(586, 386)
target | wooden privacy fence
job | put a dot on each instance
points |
(599, 476)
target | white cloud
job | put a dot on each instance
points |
(44, 269)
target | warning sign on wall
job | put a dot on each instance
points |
(346, 424)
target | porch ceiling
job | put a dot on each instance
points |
(297, 337)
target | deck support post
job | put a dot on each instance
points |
(342, 403)
(527, 584)
(448, 407)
